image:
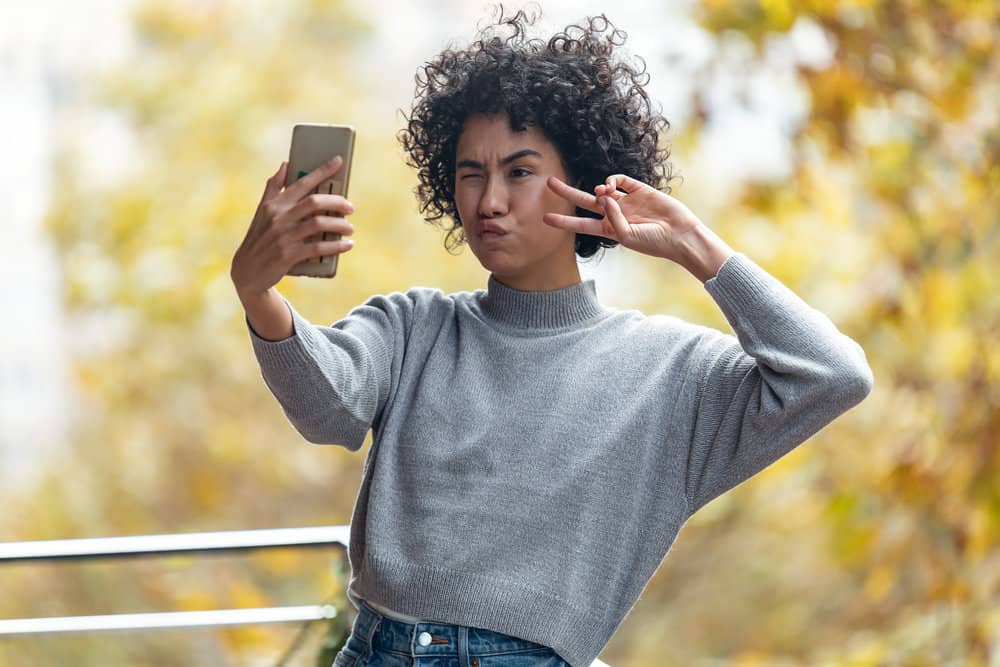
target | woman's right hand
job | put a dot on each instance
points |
(276, 242)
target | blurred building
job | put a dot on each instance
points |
(33, 387)
(41, 45)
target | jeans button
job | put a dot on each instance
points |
(424, 639)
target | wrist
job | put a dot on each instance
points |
(268, 315)
(702, 252)
(255, 296)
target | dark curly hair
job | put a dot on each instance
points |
(593, 109)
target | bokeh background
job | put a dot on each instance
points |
(849, 147)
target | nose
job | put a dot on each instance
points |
(493, 202)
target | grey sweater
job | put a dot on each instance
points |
(534, 454)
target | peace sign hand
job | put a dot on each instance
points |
(641, 218)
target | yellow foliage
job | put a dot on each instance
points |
(899, 149)
(195, 600)
(879, 581)
(893, 231)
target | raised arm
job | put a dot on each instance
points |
(333, 382)
(788, 371)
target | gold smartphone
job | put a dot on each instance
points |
(312, 145)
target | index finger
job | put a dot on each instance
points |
(573, 195)
(307, 183)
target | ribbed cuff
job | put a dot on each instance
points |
(740, 280)
(286, 353)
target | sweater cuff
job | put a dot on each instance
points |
(739, 279)
(289, 352)
(752, 299)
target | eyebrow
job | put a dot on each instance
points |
(510, 158)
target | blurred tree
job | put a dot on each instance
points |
(176, 431)
(876, 543)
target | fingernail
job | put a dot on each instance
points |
(332, 161)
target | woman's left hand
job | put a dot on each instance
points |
(641, 218)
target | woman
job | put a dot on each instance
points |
(534, 453)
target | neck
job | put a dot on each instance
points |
(540, 282)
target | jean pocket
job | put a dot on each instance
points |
(350, 654)
(346, 658)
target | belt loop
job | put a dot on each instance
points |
(463, 646)
(371, 633)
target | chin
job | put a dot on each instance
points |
(499, 263)
(499, 267)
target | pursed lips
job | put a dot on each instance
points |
(491, 230)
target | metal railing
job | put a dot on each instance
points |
(164, 545)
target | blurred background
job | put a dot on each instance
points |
(849, 147)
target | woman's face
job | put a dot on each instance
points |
(500, 183)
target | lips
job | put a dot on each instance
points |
(490, 230)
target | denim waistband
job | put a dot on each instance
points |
(427, 638)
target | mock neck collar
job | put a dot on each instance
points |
(551, 309)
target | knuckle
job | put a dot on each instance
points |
(270, 209)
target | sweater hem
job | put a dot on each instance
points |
(480, 601)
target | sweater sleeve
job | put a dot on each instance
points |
(788, 373)
(333, 382)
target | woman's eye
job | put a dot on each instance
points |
(512, 171)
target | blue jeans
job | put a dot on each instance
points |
(379, 641)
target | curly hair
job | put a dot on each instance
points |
(593, 109)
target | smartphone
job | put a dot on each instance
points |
(312, 145)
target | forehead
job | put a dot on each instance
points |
(491, 137)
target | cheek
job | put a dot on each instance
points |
(556, 204)
(461, 205)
